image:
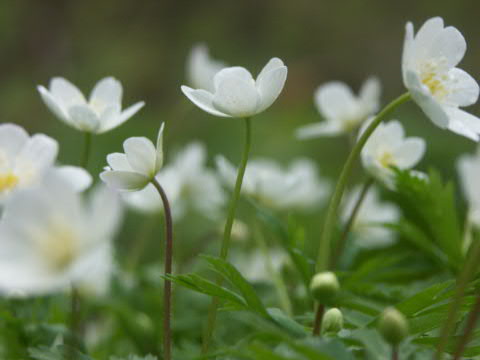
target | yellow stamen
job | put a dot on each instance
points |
(8, 181)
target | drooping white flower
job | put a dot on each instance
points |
(430, 74)
(134, 169)
(51, 239)
(101, 113)
(469, 171)
(24, 159)
(373, 213)
(342, 110)
(188, 183)
(236, 94)
(201, 68)
(296, 187)
(388, 147)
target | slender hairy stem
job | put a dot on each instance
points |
(212, 313)
(87, 144)
(167, 293)
(331, 218)
(340, 245)
(468, 272)
(472, 321)
(276, 276)
(74, 322)
(395, 355)
(318, 320)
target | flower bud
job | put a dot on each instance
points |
(332, 321)
(393, 326)
(325, 287)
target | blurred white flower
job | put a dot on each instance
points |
(469, 171)
(253, 266)
(51, 240)
(201, 68)
(236, 94)
(24, 159)
(101, 113)
(373, 213)
(296, 187)
(388, 147)
(188, 183)
(430, 74)
(342, 110)
(134, 169)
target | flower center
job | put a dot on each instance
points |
(386, 159)
(8, 181)
(434, 79)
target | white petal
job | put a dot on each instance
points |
(333, 98)
(409, 153)
(236, 72)
(141, 155)
(392, 133)
(107, 92)
(425, 36)
(118, 161)
(273, 63)
(463, 90)
(236, 97)
(463, 123)
(105, 212)
(370, 94)
(84, 118)
(159, 148)
(449, 46)
(270, 84)
(324, 128)
(38, 154)
(146, 201)
(66, 93)
(201, 68)
(55, 106)
(408, 48)
(124, 180)
(12, 139)
(78, 177)
(203, 99)
(116, 121)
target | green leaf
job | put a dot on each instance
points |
(287, 323)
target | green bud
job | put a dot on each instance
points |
(332, 321)
(325, 287)
(393, 326)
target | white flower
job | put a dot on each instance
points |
(296, 187)
(201, 68)
(51, 240)
(342, 110)
(101, 113)
(134, 169)
(188, 185)
(469, 170)
(372, 214)
(24, 159)
(388, 147)
(430, 74)
(237, 94)
(253, 266)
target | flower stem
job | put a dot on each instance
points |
(331, 218)
(212, 313)
(465, 276)
(167, 293)
(472, 321)
(318, 320)
(395, 355)
(74, 322)
(340, 245)
(87, 145)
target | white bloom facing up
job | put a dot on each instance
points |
(368, 225)
(430, 74)
(134, 169)
(24, 159)
(296, 187)
(342, 110)
(51, 240)
(236, 94)
(101, 113)
(201, 68)
(188, 183)
(388, 147)
(469, 171)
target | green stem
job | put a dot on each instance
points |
(395, 352)
(467, 334)
(331, 218)
(277, 278)
(167, 293)
(87, 145)
(212, 313)
(74, 322)
(317, 325)
(340, 245)
(464, 278)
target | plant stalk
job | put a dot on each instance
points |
(87, 145)
(469, 328)
(317, 326)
